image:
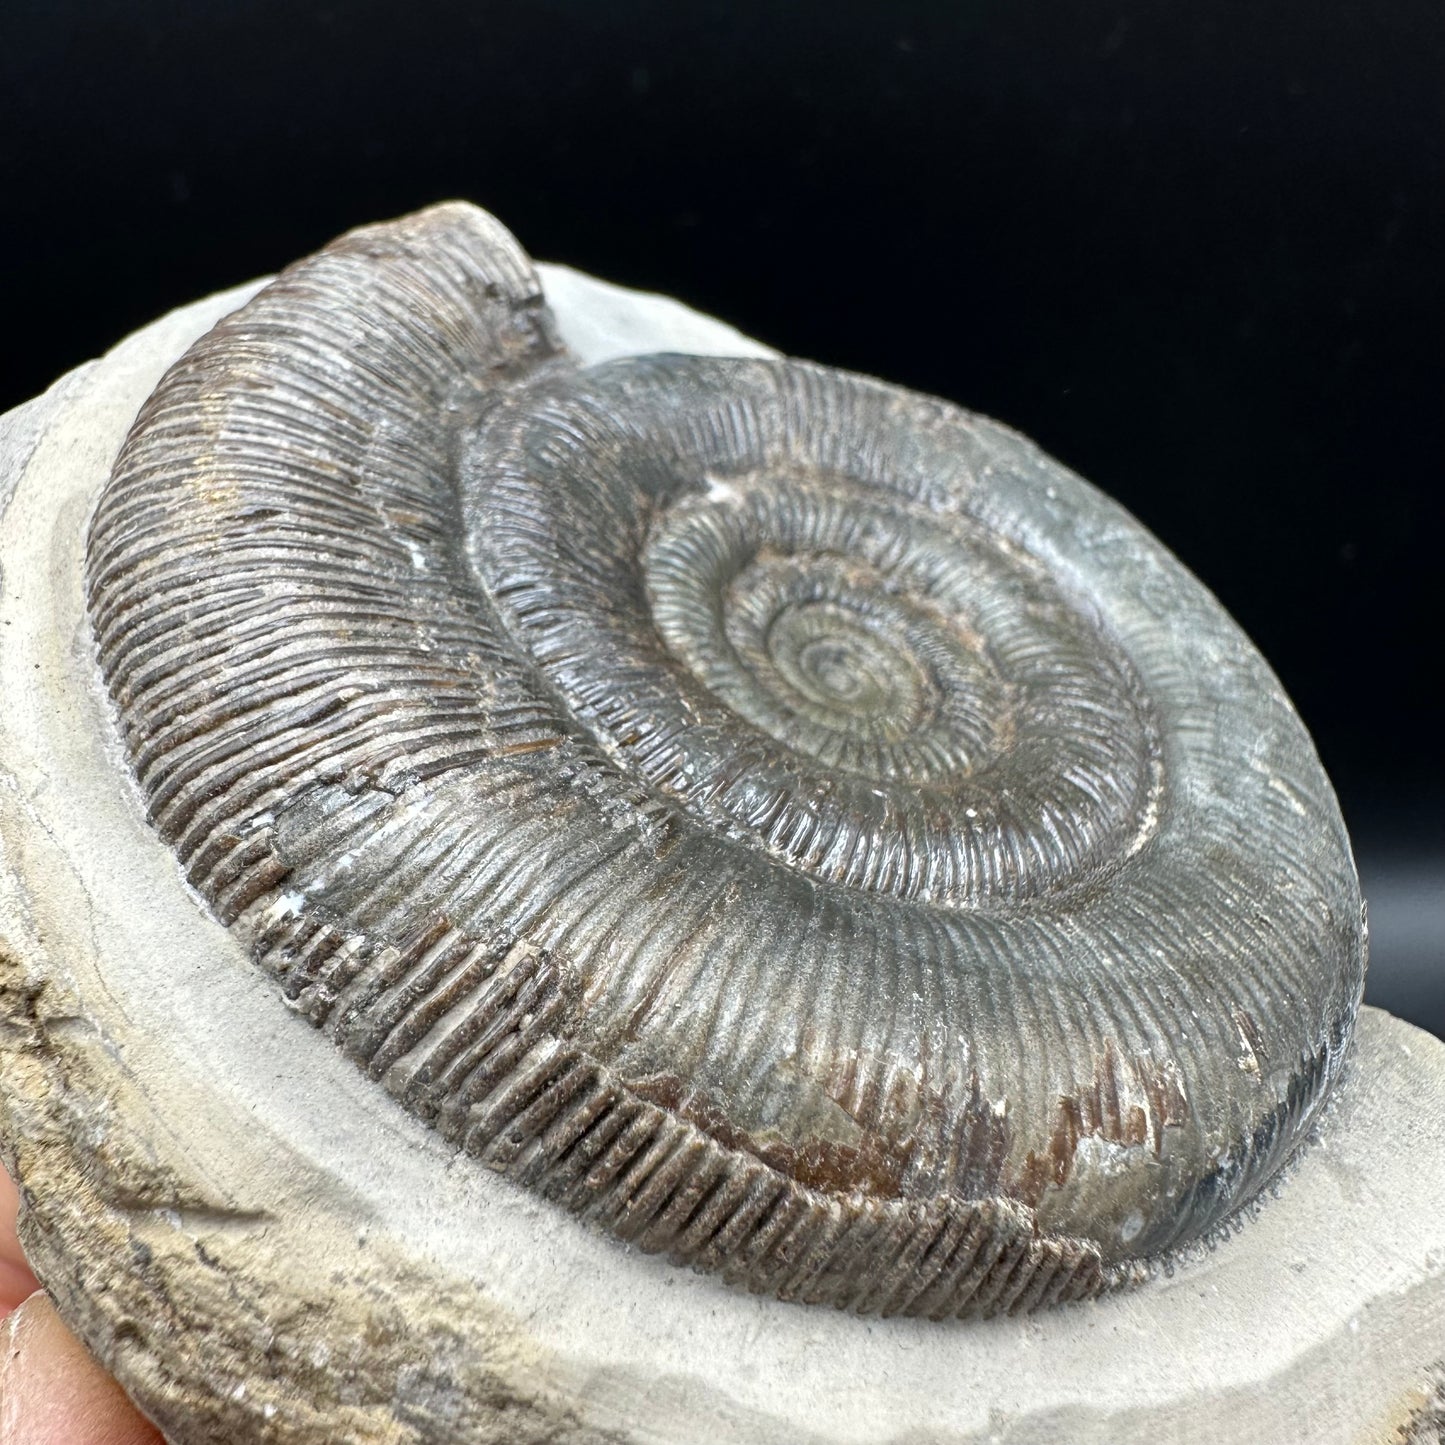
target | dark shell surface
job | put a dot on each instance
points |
(787, 820)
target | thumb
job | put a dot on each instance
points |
(53, 1393)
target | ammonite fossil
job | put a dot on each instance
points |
(785, 819)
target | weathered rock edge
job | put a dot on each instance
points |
(179, 1290)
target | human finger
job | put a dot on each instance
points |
(16, 1280)
(53, 1393)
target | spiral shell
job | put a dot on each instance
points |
(784, 819)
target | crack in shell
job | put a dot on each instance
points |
(783, 819)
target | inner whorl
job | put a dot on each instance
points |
(784, 819)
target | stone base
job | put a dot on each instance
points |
(262, 1247)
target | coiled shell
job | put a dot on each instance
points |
(785, 819)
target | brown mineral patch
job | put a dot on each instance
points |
(1100, 1110)
(1426, 1422)
(872, 1165)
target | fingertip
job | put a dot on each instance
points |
(53, 1393)
(16, 1280)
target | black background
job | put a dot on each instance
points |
(1194, 250)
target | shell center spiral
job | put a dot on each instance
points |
(816, 642)
(833, 662)
(807, 654)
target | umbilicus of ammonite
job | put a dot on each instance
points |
(784, 819)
